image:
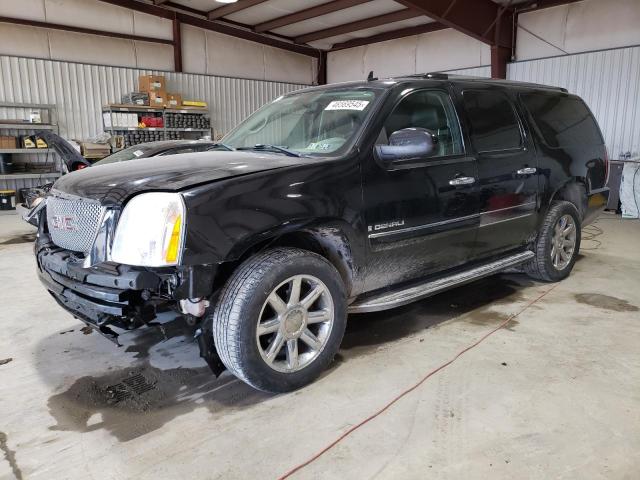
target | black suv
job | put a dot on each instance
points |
(355, 197)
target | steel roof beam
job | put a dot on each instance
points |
(307, 13)
(483, 20)
(88, 31)
(392, 35)
(219, 27)
(232, 8)
(359, 25)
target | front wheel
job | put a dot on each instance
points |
(280, 319)
(557, 245)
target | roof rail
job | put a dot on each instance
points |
(454, 76)
(434, 75)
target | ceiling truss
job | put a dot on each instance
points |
(485, 20)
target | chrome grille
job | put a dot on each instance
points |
(73, 222)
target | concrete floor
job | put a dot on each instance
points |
(556, 394)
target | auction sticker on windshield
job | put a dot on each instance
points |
(347, 105)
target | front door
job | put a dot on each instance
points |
(421, 215)
(507, 170)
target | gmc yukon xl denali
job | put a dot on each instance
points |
(357, 197)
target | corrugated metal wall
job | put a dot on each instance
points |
(609, 81)
(80, 90)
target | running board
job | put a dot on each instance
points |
(396, 298)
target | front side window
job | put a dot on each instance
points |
(493, 123)
(325, 122)
(426, 109)
(562, 120)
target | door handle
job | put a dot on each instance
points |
(527, 171)
(462, 181)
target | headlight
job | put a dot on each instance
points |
(150, 231)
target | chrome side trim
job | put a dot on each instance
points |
(508, 208)
(505, 220)
(390, 300)
(421, 227)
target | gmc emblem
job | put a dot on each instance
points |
(63, 222)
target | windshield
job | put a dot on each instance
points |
(317, 122)
(136, 151)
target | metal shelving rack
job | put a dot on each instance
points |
(16, 180)
(140, 109)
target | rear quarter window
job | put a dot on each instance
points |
(562, 120)
(493, 123)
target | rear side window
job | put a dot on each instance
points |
(562, 120)
(493, 122)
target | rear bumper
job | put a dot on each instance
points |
(596, 203)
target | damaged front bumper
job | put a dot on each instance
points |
(122, 298)
(111, 298)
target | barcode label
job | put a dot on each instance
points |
(348, 105)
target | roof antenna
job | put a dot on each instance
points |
(371, 78)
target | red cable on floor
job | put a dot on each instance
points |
(410, 389)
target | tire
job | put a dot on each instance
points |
(311, 336)
(543, 266)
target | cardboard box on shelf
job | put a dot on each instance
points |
(28, 141)
(106, 119)
(152, 83)
(174, 100)
(157, 99)
(41, 143)
(8, 142)
(95, 150)
(136, 98)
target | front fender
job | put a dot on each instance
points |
(226, 218)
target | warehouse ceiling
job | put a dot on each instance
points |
(337, 24)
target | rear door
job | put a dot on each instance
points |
(421, 214)
(507, 169)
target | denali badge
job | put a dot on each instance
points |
(63, 222)
(384, 226)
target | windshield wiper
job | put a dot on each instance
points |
(271, 148)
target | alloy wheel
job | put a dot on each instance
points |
(295, 323)
(563, 242)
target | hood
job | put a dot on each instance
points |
(115, 182)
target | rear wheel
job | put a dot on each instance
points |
(557, 245)
(280, 319)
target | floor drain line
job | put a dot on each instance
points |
(130, 388)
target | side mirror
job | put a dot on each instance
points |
(406, 144)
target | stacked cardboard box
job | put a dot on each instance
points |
(95, 150)
(152, 83)
(174, 100)
(8, 142)
(156, 87)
